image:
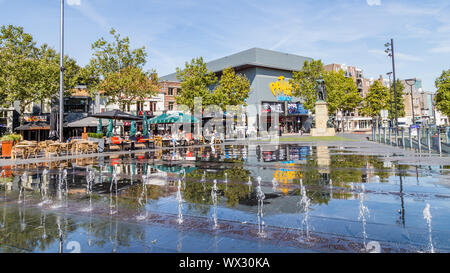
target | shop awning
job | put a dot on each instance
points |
(34, 126)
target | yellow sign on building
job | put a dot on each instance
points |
(281, 87)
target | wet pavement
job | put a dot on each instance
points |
(328, 197)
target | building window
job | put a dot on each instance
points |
(171, 106)
(140, 106)
(178, 90)
(125, 107)
(170, 91)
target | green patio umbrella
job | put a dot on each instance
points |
(99, 126)
(173, 118)
(158, 119)
(145, 126)
(109, 133)
(133, 128)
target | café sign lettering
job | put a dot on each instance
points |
(282, 89)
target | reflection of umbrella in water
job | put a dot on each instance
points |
(174, 169)
(53, 134)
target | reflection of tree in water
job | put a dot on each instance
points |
(30, 236)
(199, 196)
(41, 231)
(342, 170)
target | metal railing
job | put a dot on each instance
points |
(429, 139)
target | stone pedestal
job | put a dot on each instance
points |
(321, 120)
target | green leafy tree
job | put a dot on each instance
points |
(110, 58)
(400, 100)
(233, 89)
(128, 85)
(196, 81)
(442, 98)
(342, 92)
(376, 100)
(304, 82)
(114, 56)
(29, 73)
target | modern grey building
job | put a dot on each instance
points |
(269, 73)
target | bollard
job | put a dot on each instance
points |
(379, 133)
(384, 133)
(403, 137)
(396, 136)
(418, 139)
(439, 142)
(410, 138)
(428, 140)
(390, 138)
(447, 133)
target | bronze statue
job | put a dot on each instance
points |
(321, 90)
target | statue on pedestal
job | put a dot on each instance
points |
(321, 90)
(322, 122)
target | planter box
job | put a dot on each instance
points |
(7, 148)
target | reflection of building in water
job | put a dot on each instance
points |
(284, 177)
(323, 162)
(275, 153)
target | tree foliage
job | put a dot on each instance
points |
(116, 71)
(128, 85)
(111, 57)
(198, 81)
(30, 73)
(442, 98)
(342, 92)
(400, 100)
(304, 82)
(376, 100)
(233, 89)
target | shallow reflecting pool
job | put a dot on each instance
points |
(241, 198)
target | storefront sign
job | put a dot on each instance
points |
(272, 107)
(296, 109)
(35, 118)
(282, 89)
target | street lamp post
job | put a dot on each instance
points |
(61, 77)
(390, 51)
(411, 83)
(390, 95)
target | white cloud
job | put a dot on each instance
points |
(441, 49)
(74, 2)
(373, 2)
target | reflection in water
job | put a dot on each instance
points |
(363, 212)
(113, 208)
(44, 188)
(261, 196)
(142, 201)
(133, 183)
(22, 185)
(90, 177)
(214, 200)
(304, 204)
(180, 203)
(427, 216)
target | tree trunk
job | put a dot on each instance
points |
(22, 113)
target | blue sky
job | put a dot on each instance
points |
(352, 32)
